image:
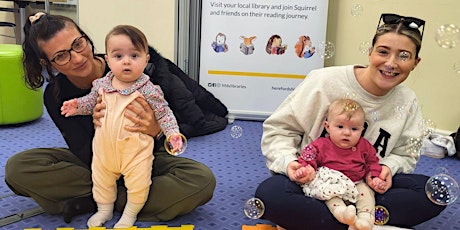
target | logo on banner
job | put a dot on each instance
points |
(213, 85)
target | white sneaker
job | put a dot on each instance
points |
(447, 142)
(432, 150)
(388, 227)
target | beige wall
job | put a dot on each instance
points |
(434, 80)
(156, 18)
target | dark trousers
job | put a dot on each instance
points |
(287, 206)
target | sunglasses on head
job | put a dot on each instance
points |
(409, 22)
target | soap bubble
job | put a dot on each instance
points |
(309, 153)
(400, 111)
(441, 170)
(374, 115)
(254, 208)
(447, 36)
(442, 189)
(415, 145)
(364, 47)
(169, 145)
(414, 107)
(456, 67)
(236, 131)
(326, 49)
(427, 127)
(350, 95)
(382, 215)
(356, 10)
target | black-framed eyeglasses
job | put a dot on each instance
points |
(63, 57)
(409, 22)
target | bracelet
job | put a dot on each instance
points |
(159, 135)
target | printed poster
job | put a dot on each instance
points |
(254, 53)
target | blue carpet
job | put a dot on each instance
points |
(237, 163)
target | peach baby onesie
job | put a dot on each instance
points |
(117, 152)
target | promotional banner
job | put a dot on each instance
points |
(254, 53)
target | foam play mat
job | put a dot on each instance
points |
(158, 227)
(165, 227)
(258, 227)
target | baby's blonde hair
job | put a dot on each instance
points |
(344, 106)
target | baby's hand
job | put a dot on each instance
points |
(382, 185)
(305, 171)
(379, 183)
(69, 107)
(176, 142)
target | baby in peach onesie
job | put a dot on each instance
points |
(117, 151)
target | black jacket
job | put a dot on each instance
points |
(197, 111)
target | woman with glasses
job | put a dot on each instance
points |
(377, 87)
(59, 179)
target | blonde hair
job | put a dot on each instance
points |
(344, 106)
(413, 34)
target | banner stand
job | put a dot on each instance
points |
(253, 55)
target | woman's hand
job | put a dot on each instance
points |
(386, 176)
(98, 112)
(143, 117)
(308, 175)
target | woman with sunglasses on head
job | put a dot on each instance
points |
(377, 87)
(59, 179)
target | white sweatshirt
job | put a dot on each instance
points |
(393, 120)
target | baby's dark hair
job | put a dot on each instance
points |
(135, 35)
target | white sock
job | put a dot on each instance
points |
(345, 214)
(103, 214)
(364, 221)
(129, 215)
